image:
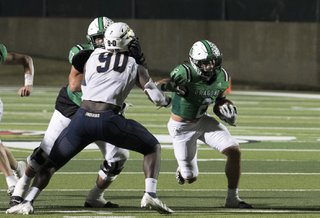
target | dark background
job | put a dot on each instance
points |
(235, 10)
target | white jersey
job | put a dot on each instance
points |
(108, 77)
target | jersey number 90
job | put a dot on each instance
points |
(114, 64)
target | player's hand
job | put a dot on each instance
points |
(135, 51)
(167, 103)
(25, 91)
(181, 90)
(229, 113)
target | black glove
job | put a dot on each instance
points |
(135, 51)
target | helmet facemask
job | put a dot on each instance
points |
(96, 40)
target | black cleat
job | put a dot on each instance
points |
(240, 205)
(179, 177)
(15, 200)
(109, 204)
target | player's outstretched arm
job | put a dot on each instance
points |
(27, 63)
(149, 87)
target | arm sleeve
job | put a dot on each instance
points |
(80, 59)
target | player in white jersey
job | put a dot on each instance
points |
(101, 113)
(8, 164)
(67, 103)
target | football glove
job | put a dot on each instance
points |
(226, 111)
(135, 51)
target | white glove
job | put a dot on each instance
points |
(229, 113)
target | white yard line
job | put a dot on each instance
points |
(277, 94)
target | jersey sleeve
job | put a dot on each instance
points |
(79, 60)
(225, 78)
(179, 75)
(77, 48)
(3, 53)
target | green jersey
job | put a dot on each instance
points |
(76, 96)
(199, 95)
(77, 48)
(3, 53)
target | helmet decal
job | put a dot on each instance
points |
(208, 47)
(100, 23)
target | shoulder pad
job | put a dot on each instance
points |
(181, 74)
(77, 48)
(3, 53)
(222, 73)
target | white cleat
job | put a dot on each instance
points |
(24, 208)
(19, 172)
(151, 203)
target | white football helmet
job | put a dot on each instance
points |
(97, 29)
(118, 36)
(203, 52)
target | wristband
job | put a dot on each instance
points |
(28, 80)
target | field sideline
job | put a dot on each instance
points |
(279, 137)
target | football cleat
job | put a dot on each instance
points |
(94, 201)
(237, 203)
(179, 177)
(24, 208)
(151, 203)
(10, 190)
(109, 204)
(15, 200)
(21, 168)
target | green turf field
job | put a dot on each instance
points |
(280, 141)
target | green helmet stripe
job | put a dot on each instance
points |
(100, 22)
(209, 50)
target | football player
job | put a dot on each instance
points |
(110, 74)
(67, 103)
(8, 164)
(194, 87)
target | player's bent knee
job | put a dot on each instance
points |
(110, 171)
(232, 152)
(37, 159)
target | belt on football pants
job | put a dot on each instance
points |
(96, 107)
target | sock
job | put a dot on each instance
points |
(33, 194)
(233, 193)
(95, 193)
(18, 166)
(22, 186)
(151, 186)
(11, 180)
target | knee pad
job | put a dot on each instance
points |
(37, 159)
(110, 171)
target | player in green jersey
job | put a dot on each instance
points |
(194, 87)
(8, 164)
